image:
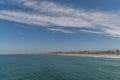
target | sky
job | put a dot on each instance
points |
(59, 25)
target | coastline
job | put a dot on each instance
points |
(93, 55)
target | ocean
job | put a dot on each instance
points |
(58, 67)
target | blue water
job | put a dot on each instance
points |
(54, 67)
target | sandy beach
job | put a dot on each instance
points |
(94, 55)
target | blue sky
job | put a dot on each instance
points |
(59, 25)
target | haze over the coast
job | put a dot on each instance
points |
(59, 25)
(22, 52)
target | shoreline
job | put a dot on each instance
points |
(93, 55)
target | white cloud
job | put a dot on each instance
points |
(40, 19)
(61, 30)
(113, 32)
(92, 31)
(47, 13)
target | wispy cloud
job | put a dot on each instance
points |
(61, 30)
(46, 13)
(91, 31)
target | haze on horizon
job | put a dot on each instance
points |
(59, 25)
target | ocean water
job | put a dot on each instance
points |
(54, 67)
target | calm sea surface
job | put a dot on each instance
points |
(54, 67)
